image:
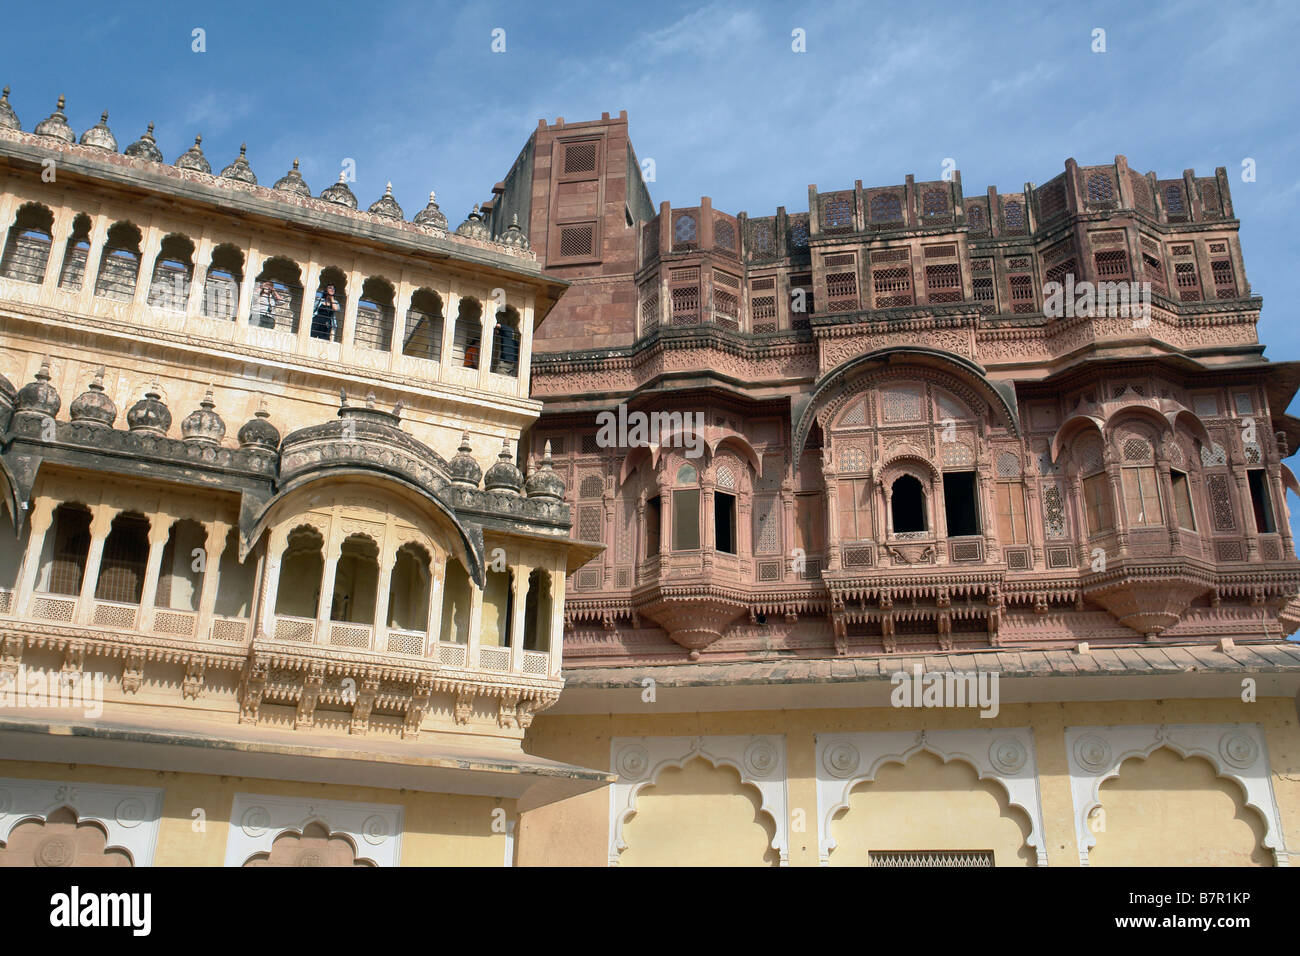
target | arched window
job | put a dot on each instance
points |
(498, 613)
(27, 250)
(686, 510)
(1140, 483)
(538, 611)
(455, 604)
(408, 594)
(221, 289)
(375, 315)
(172, 272)
(63, 564)
(356, 581)
(75, 254)
(277, 297)
(301, 567)
(724, 509)
(119, 264)
(505, 343)
(907, 505)
(1096, 486)
(125, 560)
(424, 322)
(469, 334)
(330, 305)
(180, 582)
(236, 581)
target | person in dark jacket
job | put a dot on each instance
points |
(324, 317)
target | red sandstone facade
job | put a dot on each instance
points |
(905, 451)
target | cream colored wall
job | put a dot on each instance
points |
(929, 805)
(576, 831)
(1166, 794)
(438, 829)
(699, 815)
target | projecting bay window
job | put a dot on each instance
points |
(1260, 501)
(1182, 500)
(1012, 527)
(1096, 501)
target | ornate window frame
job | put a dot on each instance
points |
(1003, 754)
(257, 820)
(130, 815)
(1236, 751)
(638, 761)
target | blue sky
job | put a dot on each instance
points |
(414, 94)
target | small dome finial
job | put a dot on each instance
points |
(243, 149)
(295, 162)
(103, 117)
(150, 130)
(62, 102)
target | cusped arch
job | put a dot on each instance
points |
(443, 523)
(1072, 428)
(1001, 400)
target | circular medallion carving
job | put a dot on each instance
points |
(375, 830)
(760, 758)
(1238, 749)
(1008, 755)
(255, 821)
(56, 850)
(840, 759)
(1092, 753)
(633, 762)
(310, 858)
(130, 812)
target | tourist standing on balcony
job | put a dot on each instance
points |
(268, 297)
(324, 317)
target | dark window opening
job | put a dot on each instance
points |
(1183, 500)
(653, 517)
(724, 522)
(1260, 501)
(959, 503)
(686, 520)
(907, 504)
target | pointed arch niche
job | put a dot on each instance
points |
(1003, 754)
(759, 760)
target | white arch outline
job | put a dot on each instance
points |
(1207, 741)
(23, 799)
(874, 750)
(294, 814)
(657, 754)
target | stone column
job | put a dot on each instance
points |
(1078, 510)
(1114, 478)
(433, 627)
(787, 522)
(1035, 531)
(665, 521)
(475, 639)
(1167, 495)
(488, 333)
(387, 561)
(518, 602)
(101, 523)
(1277, 491)
(832, 499)
(333, 550)
(160, 526)
(638, 552)
(149, 252)
(98, 237)
(38, 521)
(59, 235)
(451, 312)
(252, 267)
(557, 584)
(213, 547)
(311, 279)
(526, 346)
(199, 281)
(347, 344)
(708, 539)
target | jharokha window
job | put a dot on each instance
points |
(1140, 484)
(686, 510)
(1096, 488)
(724, 510)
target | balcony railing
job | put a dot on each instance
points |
(124, 616)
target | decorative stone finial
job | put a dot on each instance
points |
(204, 426)
(463, 469)
(239, 170)
(292, 182)
(472, 227)
(146, 147)
(340, 193)
(431, 217)
(258, 433)
(56, 126)
(386, 205)
(8, 118)
(93, 406)
(100, 136)
(514, 237)
(504, 475)
(150, 414)
(193, 158)
(545, 481)
(40, 397)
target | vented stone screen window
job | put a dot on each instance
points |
(577, 240)
(943, 282)
(580, 158)
(1096, 498)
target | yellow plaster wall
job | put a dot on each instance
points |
(438, 829)
(576, 831)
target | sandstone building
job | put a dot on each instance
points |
(391, 595)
